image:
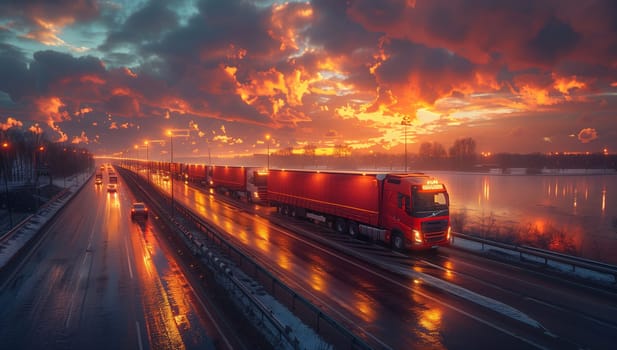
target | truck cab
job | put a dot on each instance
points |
(415, 211)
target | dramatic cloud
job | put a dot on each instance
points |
(10, 123)
(321, 72)
(587, 135)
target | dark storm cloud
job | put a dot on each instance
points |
(14, 74)
(434, 72)
(211, 35)
(32, 9)
(519, 33)
(143, 26)
(553, 41)
(336, 32)
(51, 68)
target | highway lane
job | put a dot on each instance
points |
(389, 310)
(97, 280)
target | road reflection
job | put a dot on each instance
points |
(160, 320)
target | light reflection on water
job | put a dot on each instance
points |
(572, 214)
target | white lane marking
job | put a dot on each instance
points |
(141, 347)
(128, 259)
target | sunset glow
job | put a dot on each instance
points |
(532, 77)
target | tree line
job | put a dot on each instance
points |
(462, 155)
(26, 156)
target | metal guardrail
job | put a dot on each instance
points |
(547, 257)
(333, 332)
(9, 234)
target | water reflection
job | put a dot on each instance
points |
(571, 214)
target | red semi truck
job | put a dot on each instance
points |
(406, 211)
(242, 182)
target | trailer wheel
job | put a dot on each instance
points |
(340, 225)
(397, 241)
(353, 229)
(286, 210)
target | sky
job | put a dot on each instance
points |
(234, 77)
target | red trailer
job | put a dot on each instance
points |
(241, 182)
(197, 174)
(407, 211)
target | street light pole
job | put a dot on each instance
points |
(171, 163)
(170, 133)
(405, 122)
(5, 170)
(147, 161)
(268, 155)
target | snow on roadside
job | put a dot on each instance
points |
(584, 273)
(11, 245)
(302, 336)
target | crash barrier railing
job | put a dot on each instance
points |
(330, 330)
(549, 258)
(40, 211)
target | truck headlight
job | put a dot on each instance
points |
(417, 236)
(449, 233)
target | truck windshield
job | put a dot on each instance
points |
(429, 204)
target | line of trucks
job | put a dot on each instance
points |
(406, 211)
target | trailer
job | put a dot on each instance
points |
(241, 182)
(197, 174)
(406, 211)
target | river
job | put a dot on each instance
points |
(573, 214)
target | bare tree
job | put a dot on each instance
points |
(463, 152)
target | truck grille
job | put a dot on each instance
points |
(435, 231)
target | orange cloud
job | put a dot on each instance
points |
(534, 96)
(10, 123)
(91, 79)
(36, 129)
(587, 135)
(63, 136)
(84, 110)
(82, 138)
(285, 18)
(51, 108)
